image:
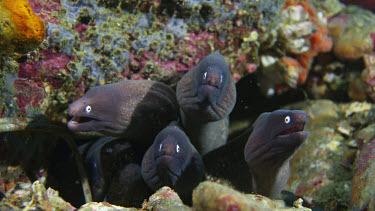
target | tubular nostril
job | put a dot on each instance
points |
(213, 81)
(167, 149)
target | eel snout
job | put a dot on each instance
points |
(299, 123)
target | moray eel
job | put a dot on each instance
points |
(173, 161)
(111, 164)
(270, 142)
(275, 138)
(137, 110)
(206, 95)
(93, 163)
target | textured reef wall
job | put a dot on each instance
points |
(88, 43)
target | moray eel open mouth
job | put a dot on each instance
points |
(167, 161)
(81, 119)
(297, 127)
(79, 123)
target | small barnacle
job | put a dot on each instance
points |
(92, 32)
(117, 12)
(117, 53)
(77, 45)
(102, 61)
(169, 37)
(178, 56)
(107, 39)
(154, 45)
(62, 11)
(84, 15)
(104, 26)
(136, 33)
(138, 55)
(72, 67)
(186, 60)
(134, 65)
(157, 27)
(149, 67)
(56, 34)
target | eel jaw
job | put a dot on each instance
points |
(164, 162)
(298, 127)
(82, 123)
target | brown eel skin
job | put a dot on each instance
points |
(136, 110)
(260, 163)
(173, 161)
(206, 95)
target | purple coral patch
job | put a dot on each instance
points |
(29, 94)
(45, 9)
(46, 68)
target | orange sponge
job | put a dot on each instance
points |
(20, 29)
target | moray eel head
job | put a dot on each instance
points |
(210, 85)
(94, 112)
(207, 91)
(171, 154)
(276, 137)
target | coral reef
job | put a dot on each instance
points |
(363, 196)
(302, 34)
(214, 196)
(164, 199)
(352, 33)
(321, 171)
(109, 42)
(35, 196)
(21, 30)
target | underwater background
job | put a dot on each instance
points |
(312, 55)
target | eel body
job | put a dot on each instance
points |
(275, 138)
(206, 95)
(137, 110)
(98, 177)
(173, 161)
(105, 161)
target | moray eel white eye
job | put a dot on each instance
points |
(205, 75)
(287, 119)
(88, 109)
(177, 148)
(221, 78)
(160, 146)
